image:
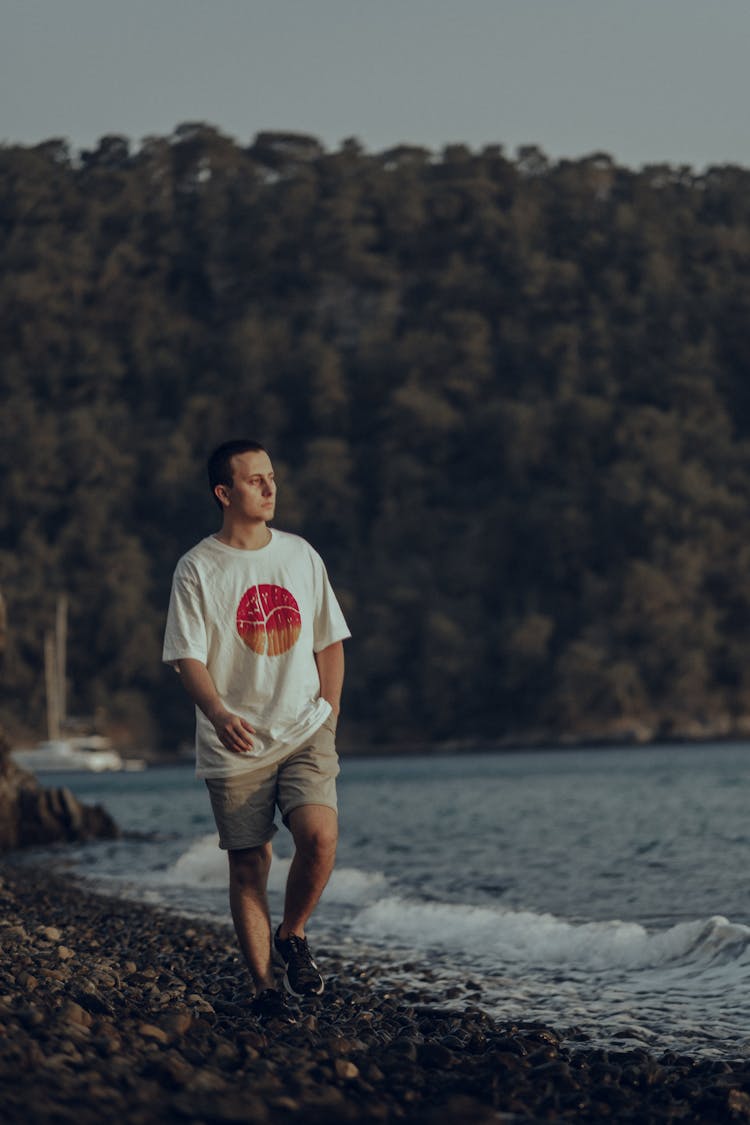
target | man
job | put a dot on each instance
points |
(255, 631)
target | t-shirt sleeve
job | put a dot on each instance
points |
(329, 625)
(185, 634)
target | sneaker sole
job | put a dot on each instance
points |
(281, 963)
(301, 995)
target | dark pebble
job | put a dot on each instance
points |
(435, 1055)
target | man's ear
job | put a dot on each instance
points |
(221, 492)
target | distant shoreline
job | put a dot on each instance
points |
(521, 743)
(508, 744)
(450, 748)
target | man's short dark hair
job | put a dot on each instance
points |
(219, 463)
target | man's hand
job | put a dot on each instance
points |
(330, 662)
(233, 731)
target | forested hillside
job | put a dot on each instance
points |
(508, 401)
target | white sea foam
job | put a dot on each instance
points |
(492, 936)
(202, 865)
(500, 937)
(205, 865)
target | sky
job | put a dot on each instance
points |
(646, 81)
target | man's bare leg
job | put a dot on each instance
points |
(248, 880)
(315, 832)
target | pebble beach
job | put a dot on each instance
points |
(122, 1011)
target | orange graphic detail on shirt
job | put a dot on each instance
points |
(268, 619)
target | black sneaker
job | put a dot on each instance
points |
(271, 1004)
(301, 977)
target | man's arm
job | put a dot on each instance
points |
(233, 731)
(330, 662)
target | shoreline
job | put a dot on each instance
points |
(457, 748)
(517, 746)
(109, 1007)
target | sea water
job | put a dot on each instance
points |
(598, 890)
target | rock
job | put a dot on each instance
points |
(28, 981)
(107, 1039)
(59, 975)
(435, 1056)
(345, 1068)
(151, 1031)
(339, 1045)
(324, 1098)
(511, 1045)
(15, 933)
(169, 1067)
(30, 1016)
(226, 1056)
(286, 1103)
(200, 1004)
(31, 815)
(402, 1048)
(177, 1023)
(739, 1104)
(72, 1013)
(228, 1008)
(93, 1001)
(206, 1082)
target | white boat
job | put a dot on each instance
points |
(63, 751)
(92, 753)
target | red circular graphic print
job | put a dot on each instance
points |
(268, 619)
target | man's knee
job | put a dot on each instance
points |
(315, 833)
(321, 843)
(249, 867)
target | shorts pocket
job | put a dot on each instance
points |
(330, 723)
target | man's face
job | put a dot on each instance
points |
(253, 492)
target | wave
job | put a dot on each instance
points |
(489, 937)
(205, 865)
(497, 937)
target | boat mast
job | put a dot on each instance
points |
(61, 638)
(55, 645)
(50, 681)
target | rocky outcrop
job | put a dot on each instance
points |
(31, 814)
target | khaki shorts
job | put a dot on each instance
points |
(244, 804)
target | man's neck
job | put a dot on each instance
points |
(245, 537)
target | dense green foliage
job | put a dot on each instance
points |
(507, 400)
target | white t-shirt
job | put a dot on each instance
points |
(255, 619)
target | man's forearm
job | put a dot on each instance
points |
(330, 662)
(233, 731)
(199, 685)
